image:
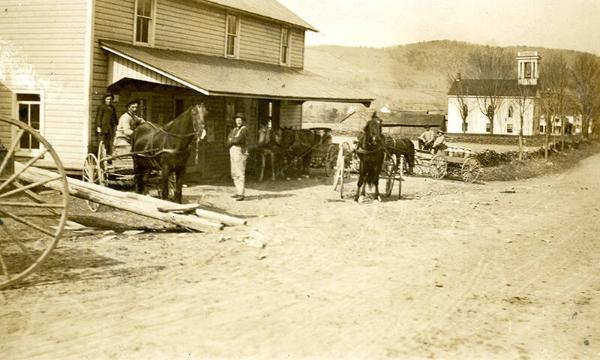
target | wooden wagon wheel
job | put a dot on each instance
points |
(470, 170)
(90, 174)
(439, 166)
(31, 223)
(390, 167)
(331, 159)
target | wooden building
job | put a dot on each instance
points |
(58, 59)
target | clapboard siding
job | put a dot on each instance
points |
(186, 26)
(48, 54)
(259, 40)
(291, 114)
(297, 48)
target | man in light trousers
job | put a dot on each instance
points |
(238, 154)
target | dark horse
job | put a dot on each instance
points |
(269, 145)
(298, 145)
(401, 146)
(370, 152)
(167, 149)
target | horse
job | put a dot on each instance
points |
(298, 145)
(401, 146)
(167, 149)
(370, 151)
(269, 145)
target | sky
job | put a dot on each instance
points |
(566, 24)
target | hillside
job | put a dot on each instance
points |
(407, 77)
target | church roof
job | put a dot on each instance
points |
(491, 87)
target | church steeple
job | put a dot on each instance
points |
(528, 63)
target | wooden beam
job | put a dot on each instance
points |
(135, 203)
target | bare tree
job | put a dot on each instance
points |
(456, 70)
(554, 94)
(494, 66)
(586, 88)
(524, 103)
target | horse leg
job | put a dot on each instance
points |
(165, 171)
(179, 175)
(262, 165)
(139, 171)
(272, 156)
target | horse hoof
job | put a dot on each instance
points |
(378, 199)
(361, 199)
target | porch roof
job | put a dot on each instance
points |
(217, 76)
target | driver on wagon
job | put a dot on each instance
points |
(127, 123)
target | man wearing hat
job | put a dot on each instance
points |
(127, 123)
(106, 121)
(439, 144)
(426, 139)
(238, 154)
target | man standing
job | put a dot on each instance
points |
(426, 139)
(106, 121)
(127, 123)
(238, 154)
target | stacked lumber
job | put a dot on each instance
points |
(189, 216)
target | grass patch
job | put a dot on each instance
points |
(509, 169)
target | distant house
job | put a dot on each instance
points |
(58, 59)
(411, 123)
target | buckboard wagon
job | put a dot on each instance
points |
(117, 171)
(454, 161)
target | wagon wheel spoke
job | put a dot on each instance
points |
(31, 223)
(25, 167)
(11, 151)
(16, 241)
(27, 187)
(4, 267)
(90, 173)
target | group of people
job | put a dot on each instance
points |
(432, 141)
(116, 134)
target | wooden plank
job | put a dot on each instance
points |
(131, 202)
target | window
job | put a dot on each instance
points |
(510, 112)
(144, 25)
(285, 46)
(509, 128)
(528, 70)
(233, 32)
(488, 127)
(29, 108)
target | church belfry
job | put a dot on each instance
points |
(529, 67)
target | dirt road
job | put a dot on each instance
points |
(455, 271)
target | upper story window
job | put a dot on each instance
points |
(233, 35)
(285, 46)
(29, 109)
(528, 70)
(510, 111)
(144, 21)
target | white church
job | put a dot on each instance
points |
(521, 94)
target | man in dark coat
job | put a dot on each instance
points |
(106, 121)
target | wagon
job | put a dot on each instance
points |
(31, 221)
(324, 154)
(347, 163)
(117, 171)
(454, 161)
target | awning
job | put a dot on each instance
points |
(216, 76)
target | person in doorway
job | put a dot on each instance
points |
(127, 123)
(426, 139)
(439, 144)
(106, 122)
(238, 154)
